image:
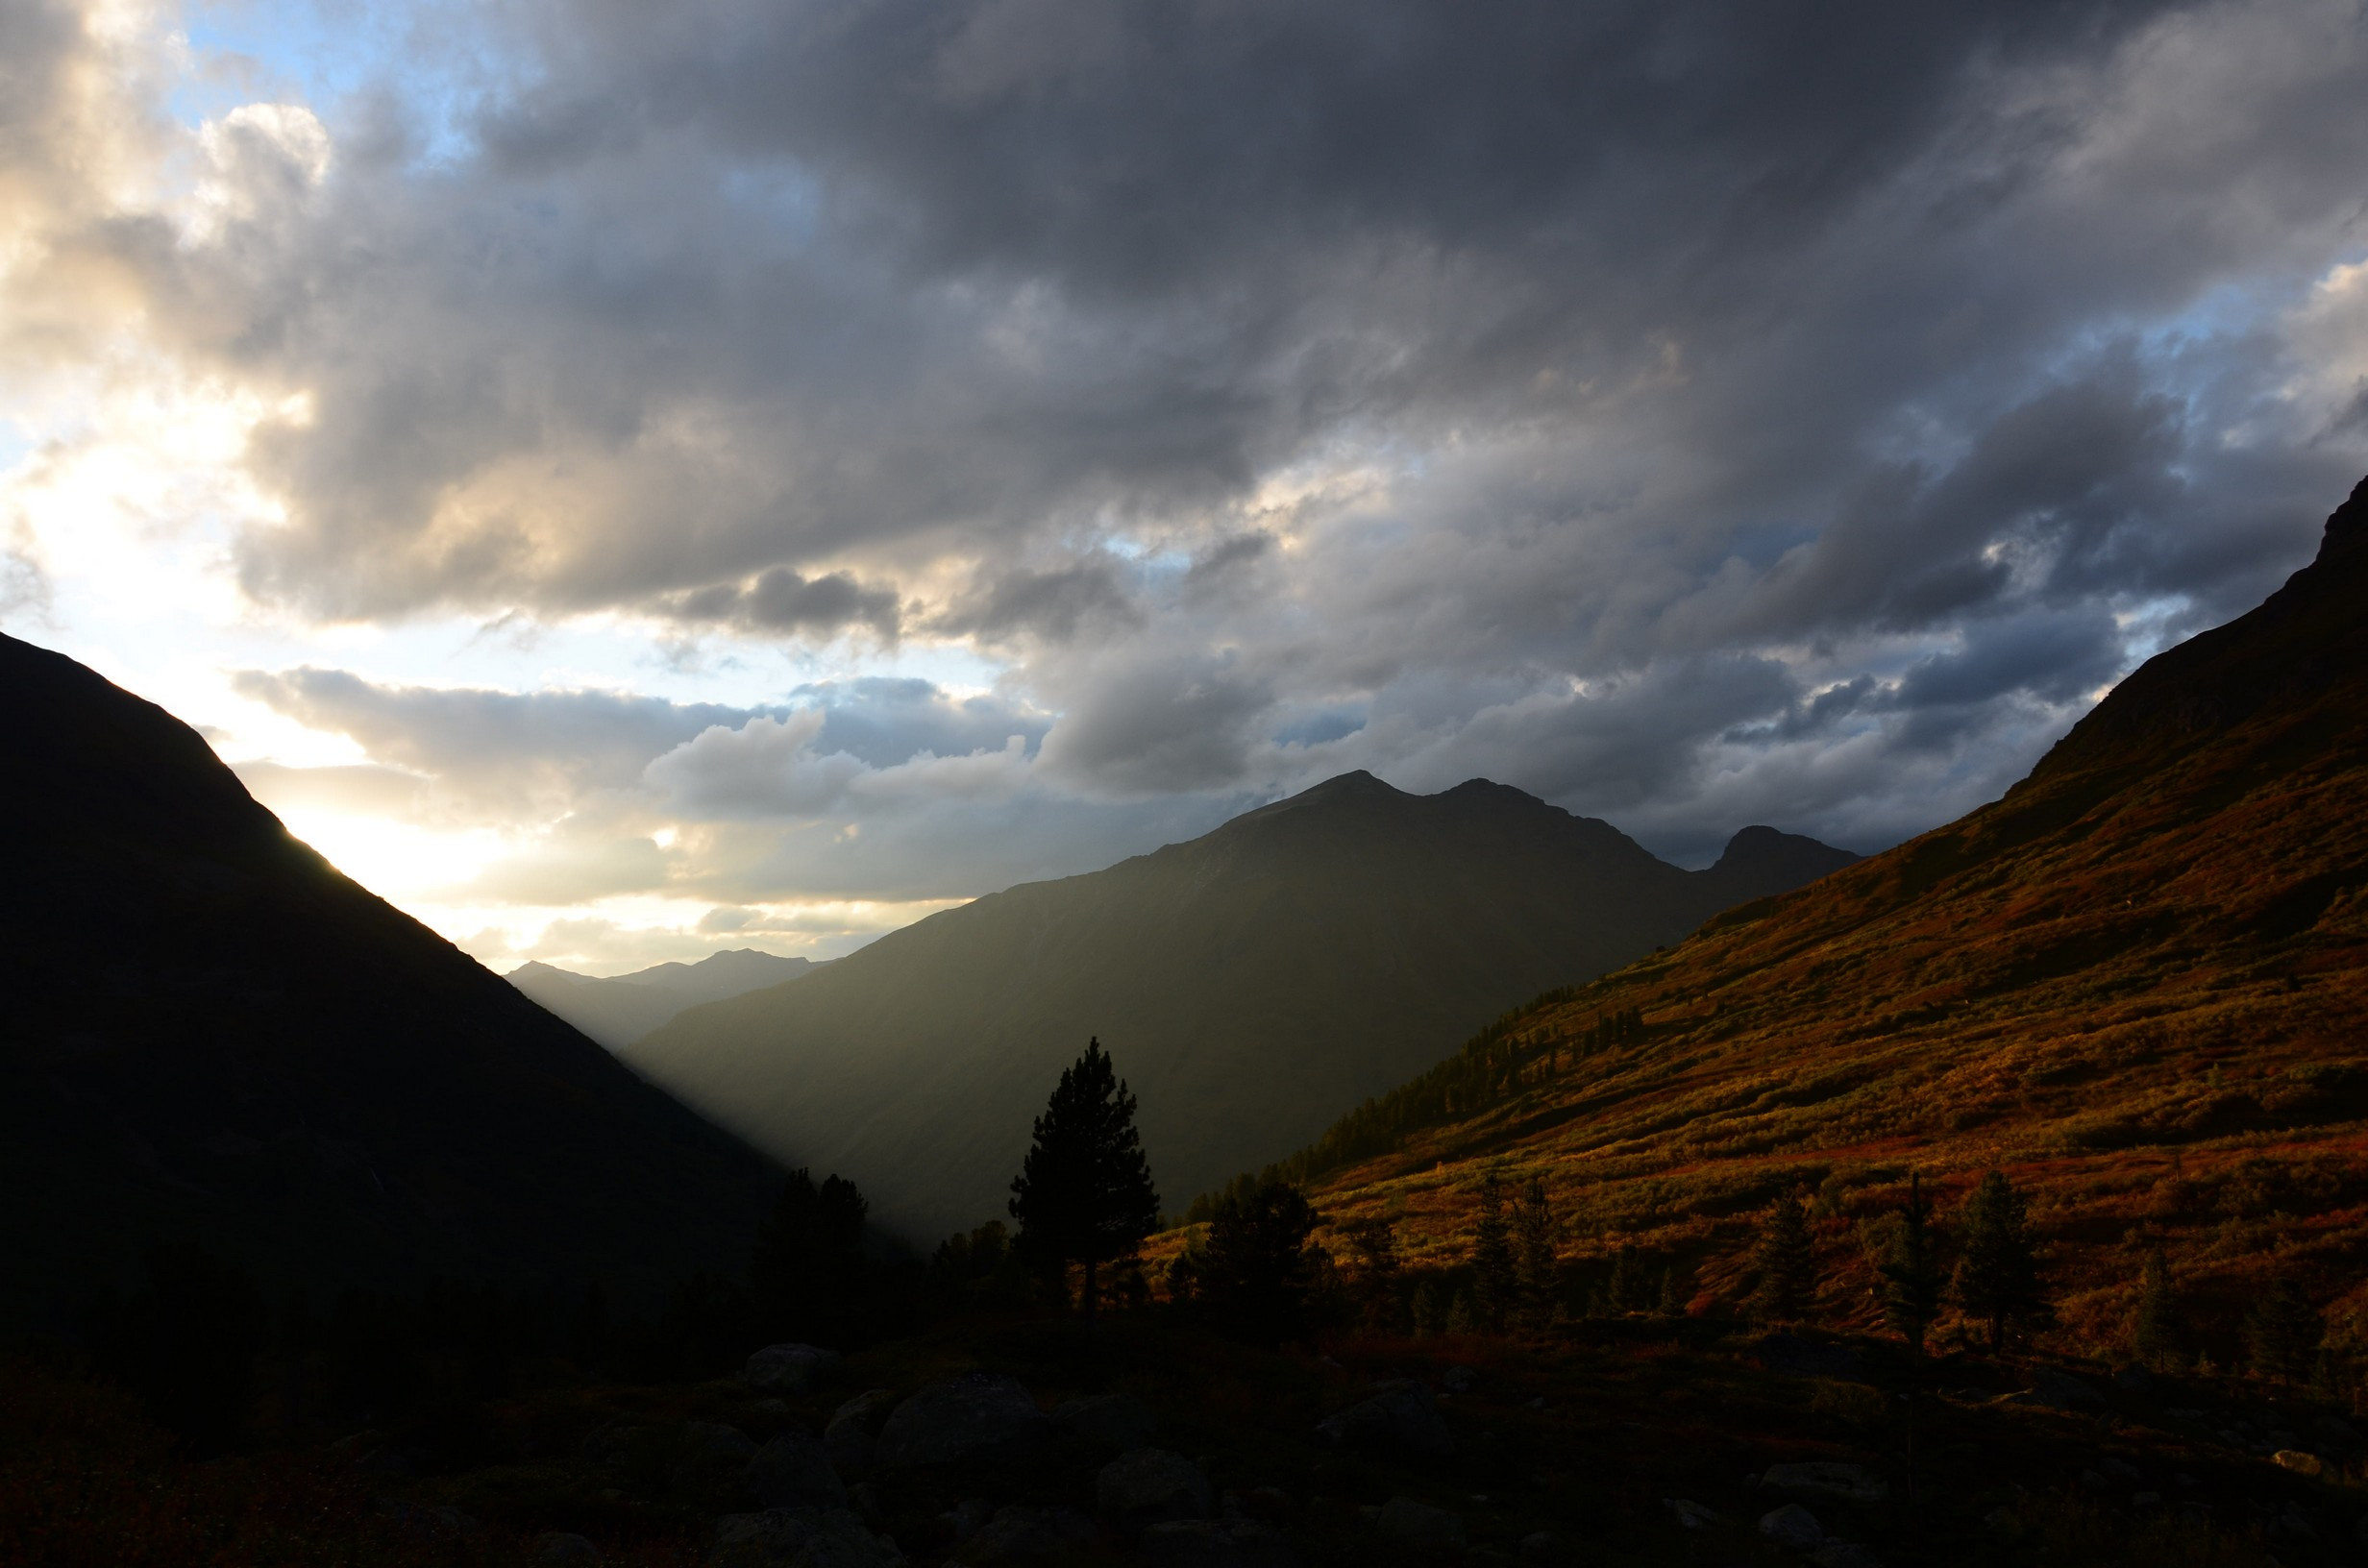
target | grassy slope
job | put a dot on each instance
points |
(2135, 983)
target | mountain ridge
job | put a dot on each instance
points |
(617, 1010)
(2136, 982)
(1246, 982)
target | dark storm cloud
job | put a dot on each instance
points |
(1705, 413)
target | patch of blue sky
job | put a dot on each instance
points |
(15, 444)
(1320, 728)
(437, 59)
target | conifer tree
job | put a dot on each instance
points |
(1787, 1262)
(1495, 1267)
(2155, 1327)
(1257, 1274)
(1538, 1279)
(1997, 1279)
(806, 1273)
(1084, 1195)
(2282, 1332)
(1912, 1278)
(1380, 1276)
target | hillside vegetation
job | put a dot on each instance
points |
(1249, 985)
(2135, 984)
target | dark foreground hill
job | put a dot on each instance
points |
(2139, 983)
(1249, 984)
(620, 1009)
(213, 1036)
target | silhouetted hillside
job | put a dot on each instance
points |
(2139, 983)
(1249, 985)
(212, 1034)
(621, 1008)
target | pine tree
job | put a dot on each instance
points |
(1997, 1279)
(1537, 1280)
(806, 1271)
(1911, 1277)
(2282, 1332)
(1084, 1195)
(1788, 1264)
(1380, 1276)
(1257, 1274)
(1495, 1269)
(2155, 1327)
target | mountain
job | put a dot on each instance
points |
(212, 1034)
(621, 1009)
(1249, 984)
(2139, 983)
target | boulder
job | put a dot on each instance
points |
(1419, 1524)
(1827, 1478)
(1459, 1380)
(719, 1441)
(1189, 1543)
(792, 1472)
(1401, 1418)
(966, 1518)
(2134, 1380)
(800, 1538)
(978, 1415)
(2059, 1391)
(790, 1369)
(558, 1546)
(1690, 1515)
(853, 1428)
(1017, 1534)
(2299, 1461)
(1149, 1486)
(605, 1447)
(1260, 1545)
(1844, 1555)
(1793, 1525)
(1544, 1549)
(1109, 1421)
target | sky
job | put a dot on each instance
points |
(629, 481)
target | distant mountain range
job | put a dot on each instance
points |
(212, 1034)
(2139, 983)
(1250, 985)
(620, 1009)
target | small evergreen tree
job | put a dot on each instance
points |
(806, 1271)
(1084, 1195)
(1624, 1290)
(2282, 1332)
(2155, 1326)
(1257, 1275)
(1788, 1264)
(1495, 1269)
(1538, 1279)
(1381, 1298)
(1997, 1278)
(1911, 1277)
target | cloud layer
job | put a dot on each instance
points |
(1696, 414)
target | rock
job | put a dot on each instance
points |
(2336, 1428)
(1844, 1555)
(968, 1517)
(558, 1546)
(1544, 1549)
(720, 1441)
(1690, 1515)
(1148, 1486)
(2134, 1380)
(2062, 1393)
(1419, 1524)
(978, 1415)
(2119, 1469)
(430, 1523)
(1827, 1478)
(2298, 1462)
(1798, 1358)
(1460, 1380)
(1017, 1534)
(1111, 1421)
(792, 1472)
(2140, 1502)
(855, 1426)
(790, 1369)
(800, 1538)
(1189, 1543)
(1402, 1418)
(1260, 1545)
(605, 1447)
(1793, 1525)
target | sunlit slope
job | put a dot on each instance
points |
(1249, 985)
(2139, 982)
(213, 1036)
